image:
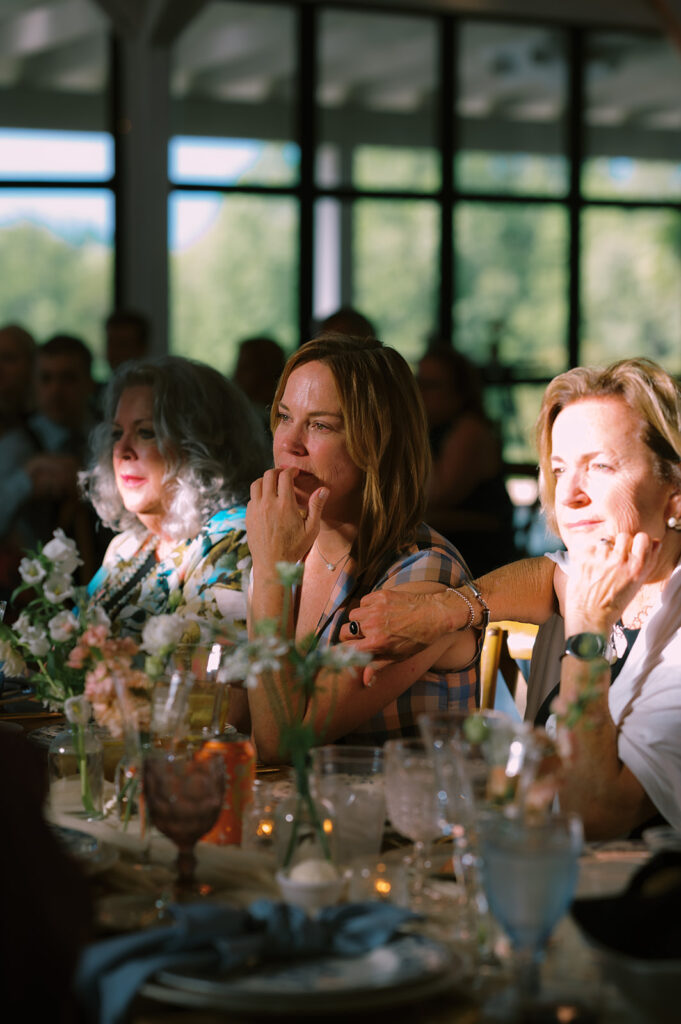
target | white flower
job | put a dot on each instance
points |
(63, 552)
(266, 664)
(235, 666)
(162, 633)
(63, 626)
(37, 641)
(31, 571)
(11, 662)
(252, 680)
(77, 710)
(58, 587)
(22, 626)
(341, 656)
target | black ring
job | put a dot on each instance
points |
(353, 627)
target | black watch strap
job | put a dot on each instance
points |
(587, 646)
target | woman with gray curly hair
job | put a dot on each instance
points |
(173, 462)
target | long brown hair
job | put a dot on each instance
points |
(386, 436)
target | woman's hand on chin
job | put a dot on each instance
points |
(278, 529)
(605, 578)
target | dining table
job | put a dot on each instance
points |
(129, 868)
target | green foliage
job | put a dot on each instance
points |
(50, 286)
(238, 280)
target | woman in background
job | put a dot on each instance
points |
(467, 497)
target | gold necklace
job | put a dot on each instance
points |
(331, 566)
(644, 611)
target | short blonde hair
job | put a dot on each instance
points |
(386, 436)
(647, 389)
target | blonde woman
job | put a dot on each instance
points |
(610, 458)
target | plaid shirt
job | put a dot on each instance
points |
(430, 559)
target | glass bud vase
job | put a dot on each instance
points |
(76, 770)
(304, 832)
(128, 784)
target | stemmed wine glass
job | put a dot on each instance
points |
(184, 791)
(529, 872)
(411, 801)
(480, 759)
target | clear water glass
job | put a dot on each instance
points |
(411, 794)
(351, 778)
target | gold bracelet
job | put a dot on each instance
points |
(471, 609)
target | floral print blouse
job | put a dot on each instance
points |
(206, 576)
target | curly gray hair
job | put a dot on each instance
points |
(206, 429)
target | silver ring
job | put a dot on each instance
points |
(353, 627)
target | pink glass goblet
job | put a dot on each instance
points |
(184, 792)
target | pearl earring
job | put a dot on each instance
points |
(673, 523)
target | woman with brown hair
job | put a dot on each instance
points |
(346, 497)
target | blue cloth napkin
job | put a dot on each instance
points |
(112, 971)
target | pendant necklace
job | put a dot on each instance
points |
(331, 566)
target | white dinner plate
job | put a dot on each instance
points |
(408, 969)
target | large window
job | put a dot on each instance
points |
(56, 171)
(234, 164)
(232, 272)
(513, 188)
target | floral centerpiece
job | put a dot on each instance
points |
(41, 640)
(48, 627)
(76, 666)
(255, 661)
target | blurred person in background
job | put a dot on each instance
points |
(127, 337)
(467, 497)
(64, 393)
(38, 464)
(347, 321)
(258, 368)
(63, 421)
(18, 445)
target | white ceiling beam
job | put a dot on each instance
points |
(82, 60)
(48, 26)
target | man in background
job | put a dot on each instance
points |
(64, 391)
(64, 418)
(18, 445)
